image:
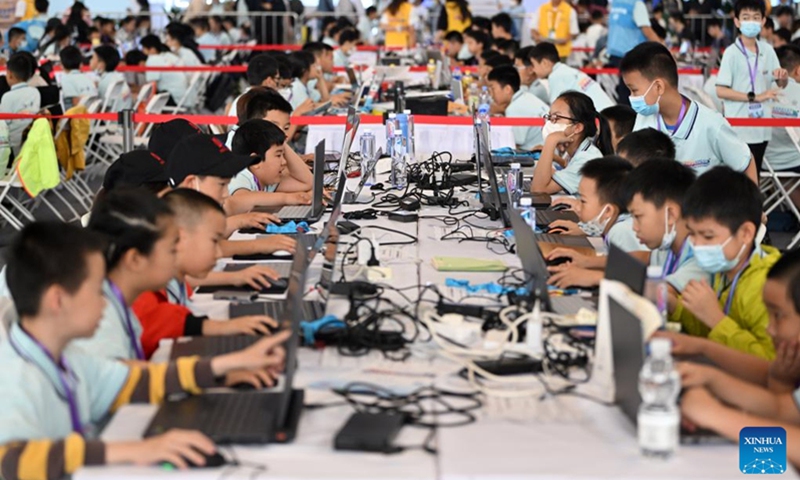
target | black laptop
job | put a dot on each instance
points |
(309, 213)
(625, 268)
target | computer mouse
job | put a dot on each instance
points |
(559, 207)
(557, 261)
(211, 461)
(556, 230)
(282, 253)
(279, 283)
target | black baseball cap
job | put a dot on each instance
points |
(166, 135)
(134, 169)
(204, 155)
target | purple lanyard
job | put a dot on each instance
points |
(128, 323)
(64, 374)
(753, 71)
(258, 184)
(732, 287)
(672, 261)
(681, 116)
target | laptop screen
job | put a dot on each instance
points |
(319, 178)
(626, 268)
(628, 353)
(350, 128)
(531, 258)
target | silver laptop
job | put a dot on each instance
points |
(313, 212)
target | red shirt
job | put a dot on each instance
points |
(162, 319)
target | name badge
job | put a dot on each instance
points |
(552, 35)
(756, 110)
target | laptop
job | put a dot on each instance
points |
(252, 417)
(625, 268)
(352, 197)
(313, 212)
(321, 109)
(628, 351)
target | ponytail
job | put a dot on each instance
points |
(603, 139)
(595, 126)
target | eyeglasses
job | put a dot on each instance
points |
(554, 117)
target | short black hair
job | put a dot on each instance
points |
(14, 33)
(486, 55)
(109, 56)
(678, 17)
(454, 36)
(597, 14)
(499, 61)
(152, 41)
(782, 10)
(652, 60)
(189, 206)
(256, 137)
(769, 24)
(784, 34)
(20, 66)
(71, 58)
(545, 51)
(260, 68)
(504, 21)
(624, 118)
(301, 62)
(787, 268)
(181, 32)
(127, 19)
(645, 144)
(370, 10)
(200, 22)
(317, 48)
(135, 57)
(713, 22)
(128, 219)
(41, 5)
(749, 5)
(659, 180)
(609, 174)
(349, 35)
(507, 46)
(258, 102)
(481, 23)
(789, 56)
(505, 75)
(36, 261)
(524, 55)
(726, 196)
(480, 37)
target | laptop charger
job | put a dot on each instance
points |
(403, 217)
(370, 432)
(409, 204)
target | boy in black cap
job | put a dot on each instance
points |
(137, 168)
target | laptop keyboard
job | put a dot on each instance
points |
(570, 304)
(226, 419)
(294, 212)
(571, 240)
(284, 269)
(546, 217)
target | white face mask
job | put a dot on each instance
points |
(550, 127)
(669, 234)
(595, 227)
(286, 93)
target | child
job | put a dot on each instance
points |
(741, 84)
(159, 55)
(570, 128)
(75, 84)
(528, 80)
(504, 85)
(165, 313)
(262, 71)
(597, 29)
(781, 37)
(179, 38)
(723, 213)
(22, 98)
(642, 145)
(59, 303)
(620, 119)
(305, 69)
(453, 43)
(367, 24)
(203, 36)
(348, 41)
(716, 34)
(601, 211)
(126, 35)
(702, 137)
(781, 151)
(322, 80)
(104, 62)
(506, 46)
(135, 169)
(16, 40)
(502, 25)
(563, 78)
(476, 42)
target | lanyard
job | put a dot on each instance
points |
(753, 71)
(553, 23)
(672, 261)
(258, 184)
(681, 116)
(180, 297)
(735, 282)
(128, 323)
(65, 376)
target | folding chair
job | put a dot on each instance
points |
(113, 141)
(190, 96)
(780, 185)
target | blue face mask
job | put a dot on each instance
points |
(711, 258)
(640, 106)
(750, 29)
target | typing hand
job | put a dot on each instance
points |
(786, 366)
(341, 99)
(247, 325)
(257, 276)
(303, 108)
(297, 198)
(565, 227)
(266, 353)
(770, 94)
(273, 243)
(695, 375)
(258, 378)
(700, 299)
(566, 276)
(682, 344)
(572, 203)
(257, 220)
(698, 406)
(574, 258)
(175, 446)
(308, 158)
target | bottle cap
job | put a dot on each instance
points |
(660, 347)
(525, 202)
(654, 271)
(516, 166)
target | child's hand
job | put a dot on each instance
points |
(786, 366)
(695, 375)
(780, 74)
(297, 198)
(700, 299)
(341, 99)
(566, 276)
(770, 94)
(259, 378)
(566, 227)
(572, 203)
(258, 220)
(266, 353)
(682, 344)
(273, 243)
(247, 325)
(573, 257)
(176, 447)
(558, 138)
(304, 108)
(698, 405)
(257, 276)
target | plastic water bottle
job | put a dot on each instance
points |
(659, 417)
(514, 184)
(656, 291)
(398, 177)
(411, 144)
(391, 126)
(457, 75)
(432, 72)
(474, 97)
(484, 104)
(368, 157)
(528, 211)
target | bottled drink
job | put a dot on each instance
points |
(514, 184)
(432, 72)
(528, 211)
(474, 97)
(659, 418)
(398, 177)
(457, 74)
(411, 144)
(656, 290)
(372, 96)
(368, 157)
(391, 124)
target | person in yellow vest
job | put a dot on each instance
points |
(455, 16)
(397, 23)
(24, 10)
(556, 22)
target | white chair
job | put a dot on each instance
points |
(700, 96)
(8, 313)
(113, 141)
(779, 186)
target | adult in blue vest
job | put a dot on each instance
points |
(33, 27)
(628, 26)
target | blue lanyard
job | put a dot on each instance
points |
(732, 288)
(180, 297)
(673, 260)
(65, 376)
(128, 322)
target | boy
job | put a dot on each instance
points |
(781, 37)
(506, 47)
(561, 77)
(367, 25)
(34, 28)
(621, 119)
(597, 29)
(348, 42)
(16, 40)
(476, 42)
(74, 83)
(746, 76)
(104, 62)
(716, 34)
(262, 71)
(723, 212)
(504, 85)
(642, 145)
(453, 43)
(203, 36)
(602, 213)
(527, 77)
(320, 87)
(22, 98)
(703, 138)
(502, 24)
(58, 302)
(165, 313)
(781, 152)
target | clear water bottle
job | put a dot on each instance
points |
(457, 75)
(432, 72)
(484, 105)
(656, 290)
(528, 211)
(398, 177)
(514, 184)
(474, 97)
(659, 417)
(391, 127)
(368, 157)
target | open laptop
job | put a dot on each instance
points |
(625, 268)
(253, 417)
(313, 212)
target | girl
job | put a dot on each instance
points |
(304, 69)
(397, 23)
(577, 133)
(218, 31)
(159, 55)
(180, 39)
(60, 38)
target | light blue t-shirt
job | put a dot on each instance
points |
(524, 104)
(734, 72)
(564, 78)
(340, 59)
(703, 140)
(109, 78)
(570, 177)
(781, 152)
(174, 83)
(313, 91)
(33, 402)
(22, 98)
(76, 84)
(245, 180)
(299, 93)
(685, 270)
(537, 88)
(208, 39)
(621, 235)
(112, 338)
